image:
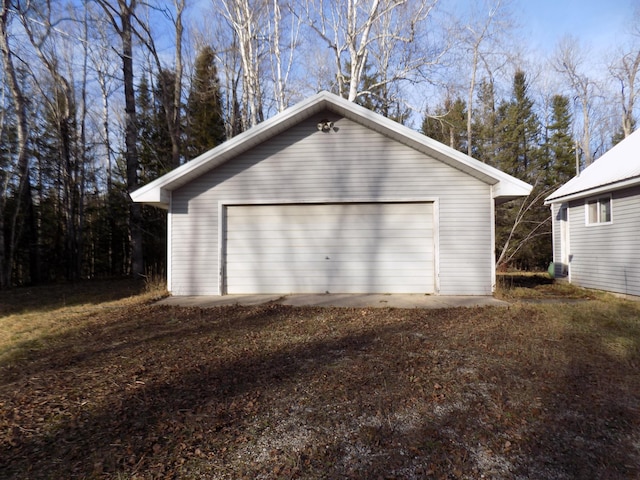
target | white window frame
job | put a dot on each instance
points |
(598, 201)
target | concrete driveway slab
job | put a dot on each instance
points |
(337, 300)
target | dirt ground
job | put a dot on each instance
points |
(127, 389)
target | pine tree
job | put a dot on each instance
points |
(154, 144)
(522, 227)
(559, 159)
(155, 157)
(448, 124)
(519, 132)
(485, 124)
(205, 122)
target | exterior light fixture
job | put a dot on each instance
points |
(324, 125)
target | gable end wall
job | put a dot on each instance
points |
(351, 163)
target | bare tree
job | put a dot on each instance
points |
(402, 50)
(39, 24)
(481, 38)
(171, 97)
(353, 28)
(282, 61)
(120, 14)
(626, 71)
(247, 20)
(22, 157)
(569, 61)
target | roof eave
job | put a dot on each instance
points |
(158, 191)
(505, 185)
(629, 182)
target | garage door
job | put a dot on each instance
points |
(335, 248)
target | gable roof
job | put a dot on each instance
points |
(505, 187)
(617, 168)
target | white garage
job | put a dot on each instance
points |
(330, 248)
(328, 196)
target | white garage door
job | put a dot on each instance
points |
(335, 248)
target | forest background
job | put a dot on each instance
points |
(100, 97)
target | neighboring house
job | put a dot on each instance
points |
(596, 222)
(328, 196)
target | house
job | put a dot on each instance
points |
(328, 196)
(596, 222)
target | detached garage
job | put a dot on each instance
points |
(328, 197)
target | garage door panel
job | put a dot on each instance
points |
(320, 268)
(344, 248)
(277, 259)
(326, 244)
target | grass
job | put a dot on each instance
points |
(117, 388)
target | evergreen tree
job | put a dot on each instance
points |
(155, 157)
(485, 124)
(154, 143)
(522, 227)
(205, 122)
(559, 159)
(519, 132)
(448, 124)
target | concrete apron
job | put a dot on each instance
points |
(337, 300)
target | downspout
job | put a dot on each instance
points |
(493, 239)
(169, 242)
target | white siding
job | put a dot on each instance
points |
(329, 248)
(350, 164)
(607, 256)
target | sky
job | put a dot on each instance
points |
(596, 23)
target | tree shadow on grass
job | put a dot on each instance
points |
(142, 419)
(51, 297)
(589, 423)
(281, 392)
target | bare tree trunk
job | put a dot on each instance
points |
(121, 18)
(568, 61)
(6, 257)
(476, 39)
(626, 71)
(177, 87)
(245, 19)
(356, 30)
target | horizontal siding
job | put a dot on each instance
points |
(607, 256)
(351, 164)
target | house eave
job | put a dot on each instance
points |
(590, 192)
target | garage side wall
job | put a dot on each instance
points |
(349, 163)
(607, 256)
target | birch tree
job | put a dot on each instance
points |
(481, 39)
(352, 29)
(247, 19)
(40, 25)
(282, 53)
(20, 169)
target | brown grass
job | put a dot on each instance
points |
(126, 389)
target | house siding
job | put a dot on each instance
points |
(560, 269)
(350, 164)
(607, 256)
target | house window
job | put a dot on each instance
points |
(599, 210)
